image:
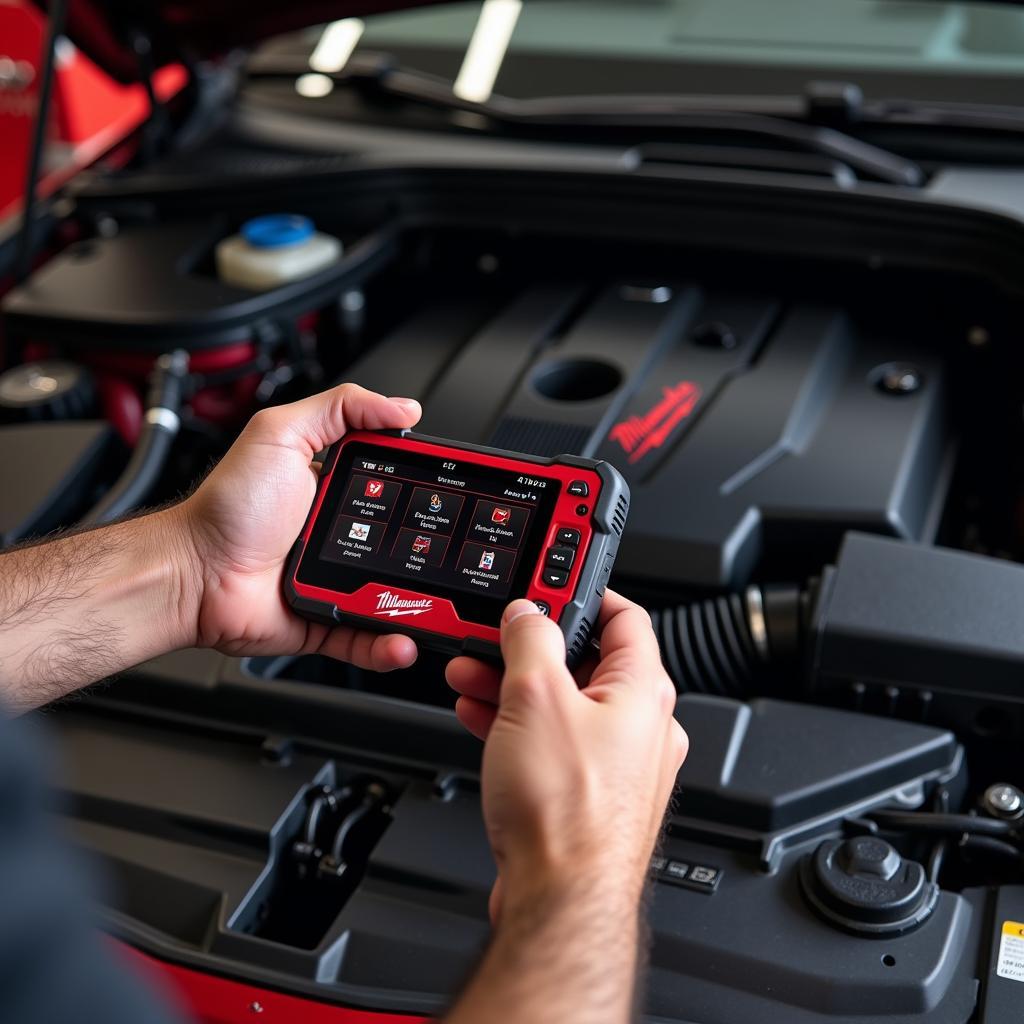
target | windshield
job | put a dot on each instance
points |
(920, 50)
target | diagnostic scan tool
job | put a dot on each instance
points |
(433, 538)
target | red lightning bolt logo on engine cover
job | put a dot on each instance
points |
(639, 435)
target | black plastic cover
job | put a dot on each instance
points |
(772, 446)
(770, 764)
(1002, 986)
(918, 631)
(192, 821)
(152, 288)
(56, 467)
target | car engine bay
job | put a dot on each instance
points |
(815, 395)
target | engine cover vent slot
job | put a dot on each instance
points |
(539, 437)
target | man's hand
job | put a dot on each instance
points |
(206, 571)
(246, 515)
(575, 784)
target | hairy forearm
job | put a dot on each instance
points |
(566, 954)
(87, 605)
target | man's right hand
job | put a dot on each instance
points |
(575, 781)
(575, 784)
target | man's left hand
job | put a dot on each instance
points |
(244, 518)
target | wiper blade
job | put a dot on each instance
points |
(378, 75)
(944, 114)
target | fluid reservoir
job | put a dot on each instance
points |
(273, 250)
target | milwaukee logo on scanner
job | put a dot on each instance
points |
(640, 434)
(392, 605)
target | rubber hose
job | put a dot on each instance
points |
(160, 427)
(948, 824)
(986, 844)
(707, 646)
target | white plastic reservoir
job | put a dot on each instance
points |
(273, 250)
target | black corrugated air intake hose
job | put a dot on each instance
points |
(730, 645)
(911, 631)
(160, 427)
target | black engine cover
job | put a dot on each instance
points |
(200, 841)
(749, 431)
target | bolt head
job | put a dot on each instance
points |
(900, 379)
(1004, 800)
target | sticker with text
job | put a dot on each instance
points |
(1011, 951)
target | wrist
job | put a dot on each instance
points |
(154, 587)
(554, 856)
(539, 885)
(566, 948)
(182, 555)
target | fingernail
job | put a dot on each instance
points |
(409, 403)
(520, 607)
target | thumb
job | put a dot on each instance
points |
(316, 422)
(533, 649)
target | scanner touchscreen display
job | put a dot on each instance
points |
(433, 524)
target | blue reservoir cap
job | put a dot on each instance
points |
(276, 230)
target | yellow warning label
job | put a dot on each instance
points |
(1011, 951)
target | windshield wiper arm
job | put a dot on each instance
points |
(657, 112)
(379, 75)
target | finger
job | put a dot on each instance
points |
(624, 625)
(315, 423)
(369, 650)
(630, 669)
(476, 716)
(630, 655)
(534, 652)
(473, 678)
